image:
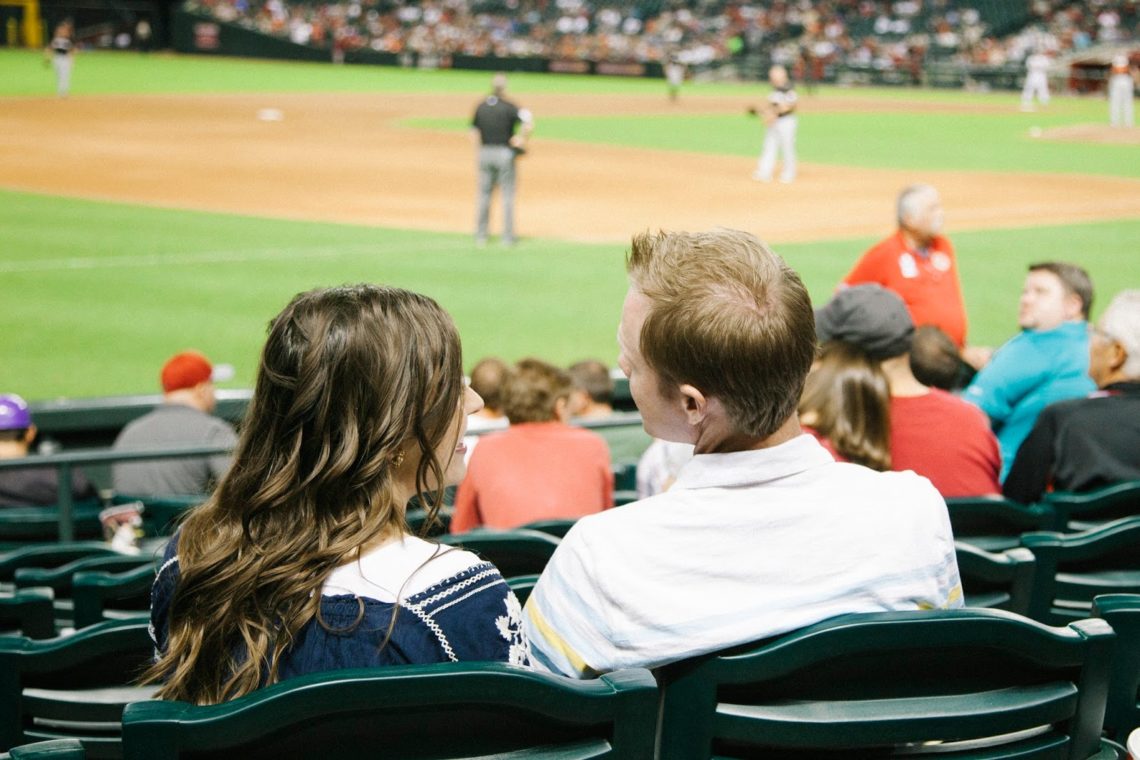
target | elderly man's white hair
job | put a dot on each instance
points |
(910, 198)
(1121, 322)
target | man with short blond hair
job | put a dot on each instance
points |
(762, 532)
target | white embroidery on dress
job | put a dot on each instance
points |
(433, 626)
(510, 628)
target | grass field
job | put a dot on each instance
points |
(98, 294)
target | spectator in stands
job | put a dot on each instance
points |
(185, 418)
(1085, 444)
(302, 561)
(918, 263)
(1047, 361)
(762, 532)
(935, 361)
(593, 393)
(933, 433)
(659, 465)
(487, 379)
(539, 468)
(846, 406)
(29, 486)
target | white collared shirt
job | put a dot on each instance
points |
(744, 546)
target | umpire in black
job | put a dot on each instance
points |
(502, 129)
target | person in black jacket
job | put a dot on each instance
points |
(1088, 443)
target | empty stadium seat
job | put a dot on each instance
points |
(1081, 511)
(1073, 568)
(1000, 581)
(514, 552)
(1122, 612)
(996, 524)
(72, 686)
(449, 710)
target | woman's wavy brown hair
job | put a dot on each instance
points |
(351, 379)
(848, 400)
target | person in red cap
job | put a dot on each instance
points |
(185, 418)
(29, 486)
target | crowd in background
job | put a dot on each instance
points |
(810, 34)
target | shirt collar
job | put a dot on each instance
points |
(743, 468)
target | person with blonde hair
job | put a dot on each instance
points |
(302, 560)
(762, 532)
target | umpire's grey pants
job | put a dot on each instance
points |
(496, 167)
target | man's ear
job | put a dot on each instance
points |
(30, 435)
(1118, 356)
(562, 408)
(694, 403)
(1073, 308)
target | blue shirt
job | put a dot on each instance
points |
(1031, 371)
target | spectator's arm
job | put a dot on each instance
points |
(1002, 383)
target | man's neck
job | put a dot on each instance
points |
(915, 241)
(710, 442)
(13, 449)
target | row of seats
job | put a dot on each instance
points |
(1051, 577)
(959, 683)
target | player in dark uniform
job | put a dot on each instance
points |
(494, 126)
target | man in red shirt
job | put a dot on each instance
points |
(918, 263)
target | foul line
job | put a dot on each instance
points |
(219, 257)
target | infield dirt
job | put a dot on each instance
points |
(346, 158)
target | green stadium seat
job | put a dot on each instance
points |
(954, 683)
(1073, 568)
(449, 710)
(21, 526)
(522, 585)
(417, 521)
(57, 749)
(1122, 612)
(161, 514)
(1081, 511)
(996, 524)
(556, 528)
(49, 555)
(999, 581)
(101, 595)
(514, 552)
(28, 612)
(72, 686)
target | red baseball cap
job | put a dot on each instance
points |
(186, 370)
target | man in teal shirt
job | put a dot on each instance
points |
(1048, 361)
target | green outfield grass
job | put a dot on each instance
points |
(97, 295)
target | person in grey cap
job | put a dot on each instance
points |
(29, 486)
(932, 432)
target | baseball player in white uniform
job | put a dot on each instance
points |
(1036, 81)
(1120, 86)
(780, 135)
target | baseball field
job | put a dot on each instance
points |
(176, 201)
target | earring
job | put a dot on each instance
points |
(398, 459)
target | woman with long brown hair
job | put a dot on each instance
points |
(846, 404)
(302, 561)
